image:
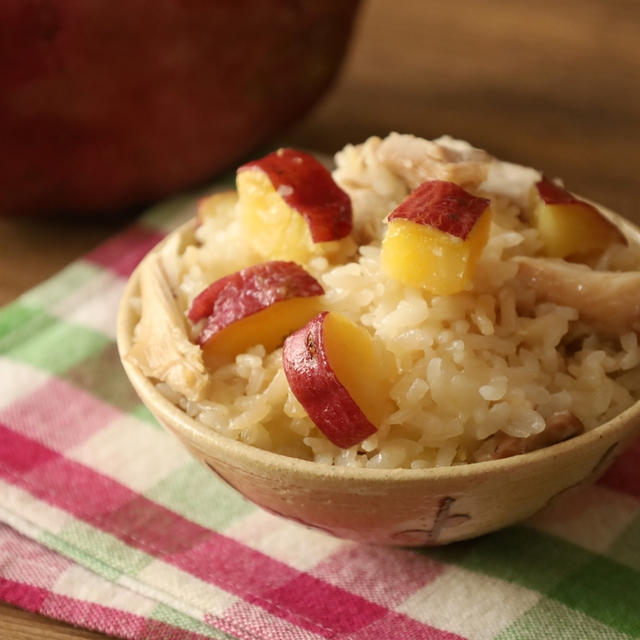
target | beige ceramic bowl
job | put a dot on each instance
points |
(391, 507)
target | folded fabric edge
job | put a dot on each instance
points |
(93, 615)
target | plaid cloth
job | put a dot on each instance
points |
(109, 524)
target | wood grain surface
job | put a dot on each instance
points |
(553, 83)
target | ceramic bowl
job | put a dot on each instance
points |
(408, 507)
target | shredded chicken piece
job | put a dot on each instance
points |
(379, 174)
(162, 347)
(560, 426)
(417, 160)
(607, 300)
(373, 188)
(513, 181)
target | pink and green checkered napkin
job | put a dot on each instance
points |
(109, 524)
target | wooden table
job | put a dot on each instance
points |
(554, 84)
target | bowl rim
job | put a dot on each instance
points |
(206, 438)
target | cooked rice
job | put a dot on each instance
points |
(468, 365)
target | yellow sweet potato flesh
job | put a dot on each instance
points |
(572, 229)
(423, 256)
(268, 327)
(358, 365)
(276, 230)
